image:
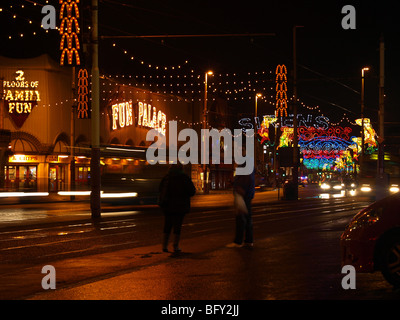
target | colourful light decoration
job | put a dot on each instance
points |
(309, 133)
(83, 91)
(264, 130)
(286, 137)
(356, 146)
(69, 15)
(319, 164)
(369, 132)
(281, 91)
(328, 147)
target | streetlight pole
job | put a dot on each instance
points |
(362, 117)
(382, 179)
(258, 95)
(205, 125)
(95, 202)
(295, 173)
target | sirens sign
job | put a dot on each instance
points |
(20, 96)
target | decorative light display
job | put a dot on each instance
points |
(356, 147)
(83, 92)
(319, 164)
(324, 147)
(69, 45)
(309, 133)
(286, 137)
(263, 132)
(281, 91)
(369, 134)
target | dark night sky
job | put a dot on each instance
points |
(329, 57)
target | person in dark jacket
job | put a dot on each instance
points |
(176, 188)
(244, 185)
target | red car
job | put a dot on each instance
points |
(372, 239)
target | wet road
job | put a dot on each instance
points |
(296, 254)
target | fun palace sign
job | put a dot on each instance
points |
(20, 96)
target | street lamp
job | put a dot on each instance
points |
(295, 173)
(362, 114)
(258, 95)
(205, 123)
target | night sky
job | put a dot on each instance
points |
(329, 58)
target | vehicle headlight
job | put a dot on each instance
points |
(394, 188)
(337, 187)
(365, 188)
(368, 218)
(325, 186)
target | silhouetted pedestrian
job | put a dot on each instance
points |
(244, 187)
(176, 188)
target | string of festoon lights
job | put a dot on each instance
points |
(193, 84)
(192, 124)
(10, 9)
(147, 64)
(129, 87)
(344, 119)
(187, 83)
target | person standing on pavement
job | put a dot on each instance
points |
(176, 189)
(244, 186)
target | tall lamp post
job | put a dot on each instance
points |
(295, 136)
(95, 201)
(205, 125)
(258, 95)
(362, 116)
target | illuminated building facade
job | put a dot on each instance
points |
(36, 110)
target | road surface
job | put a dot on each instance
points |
(296, 253)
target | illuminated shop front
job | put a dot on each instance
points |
(35, 109)
(49, 150)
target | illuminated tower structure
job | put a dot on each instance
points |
(69, 30)
(281, 91)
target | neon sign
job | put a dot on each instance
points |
(122, 115)
(20, 102)
(303, 120)
(149, 117)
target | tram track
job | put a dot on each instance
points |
(30, 244)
